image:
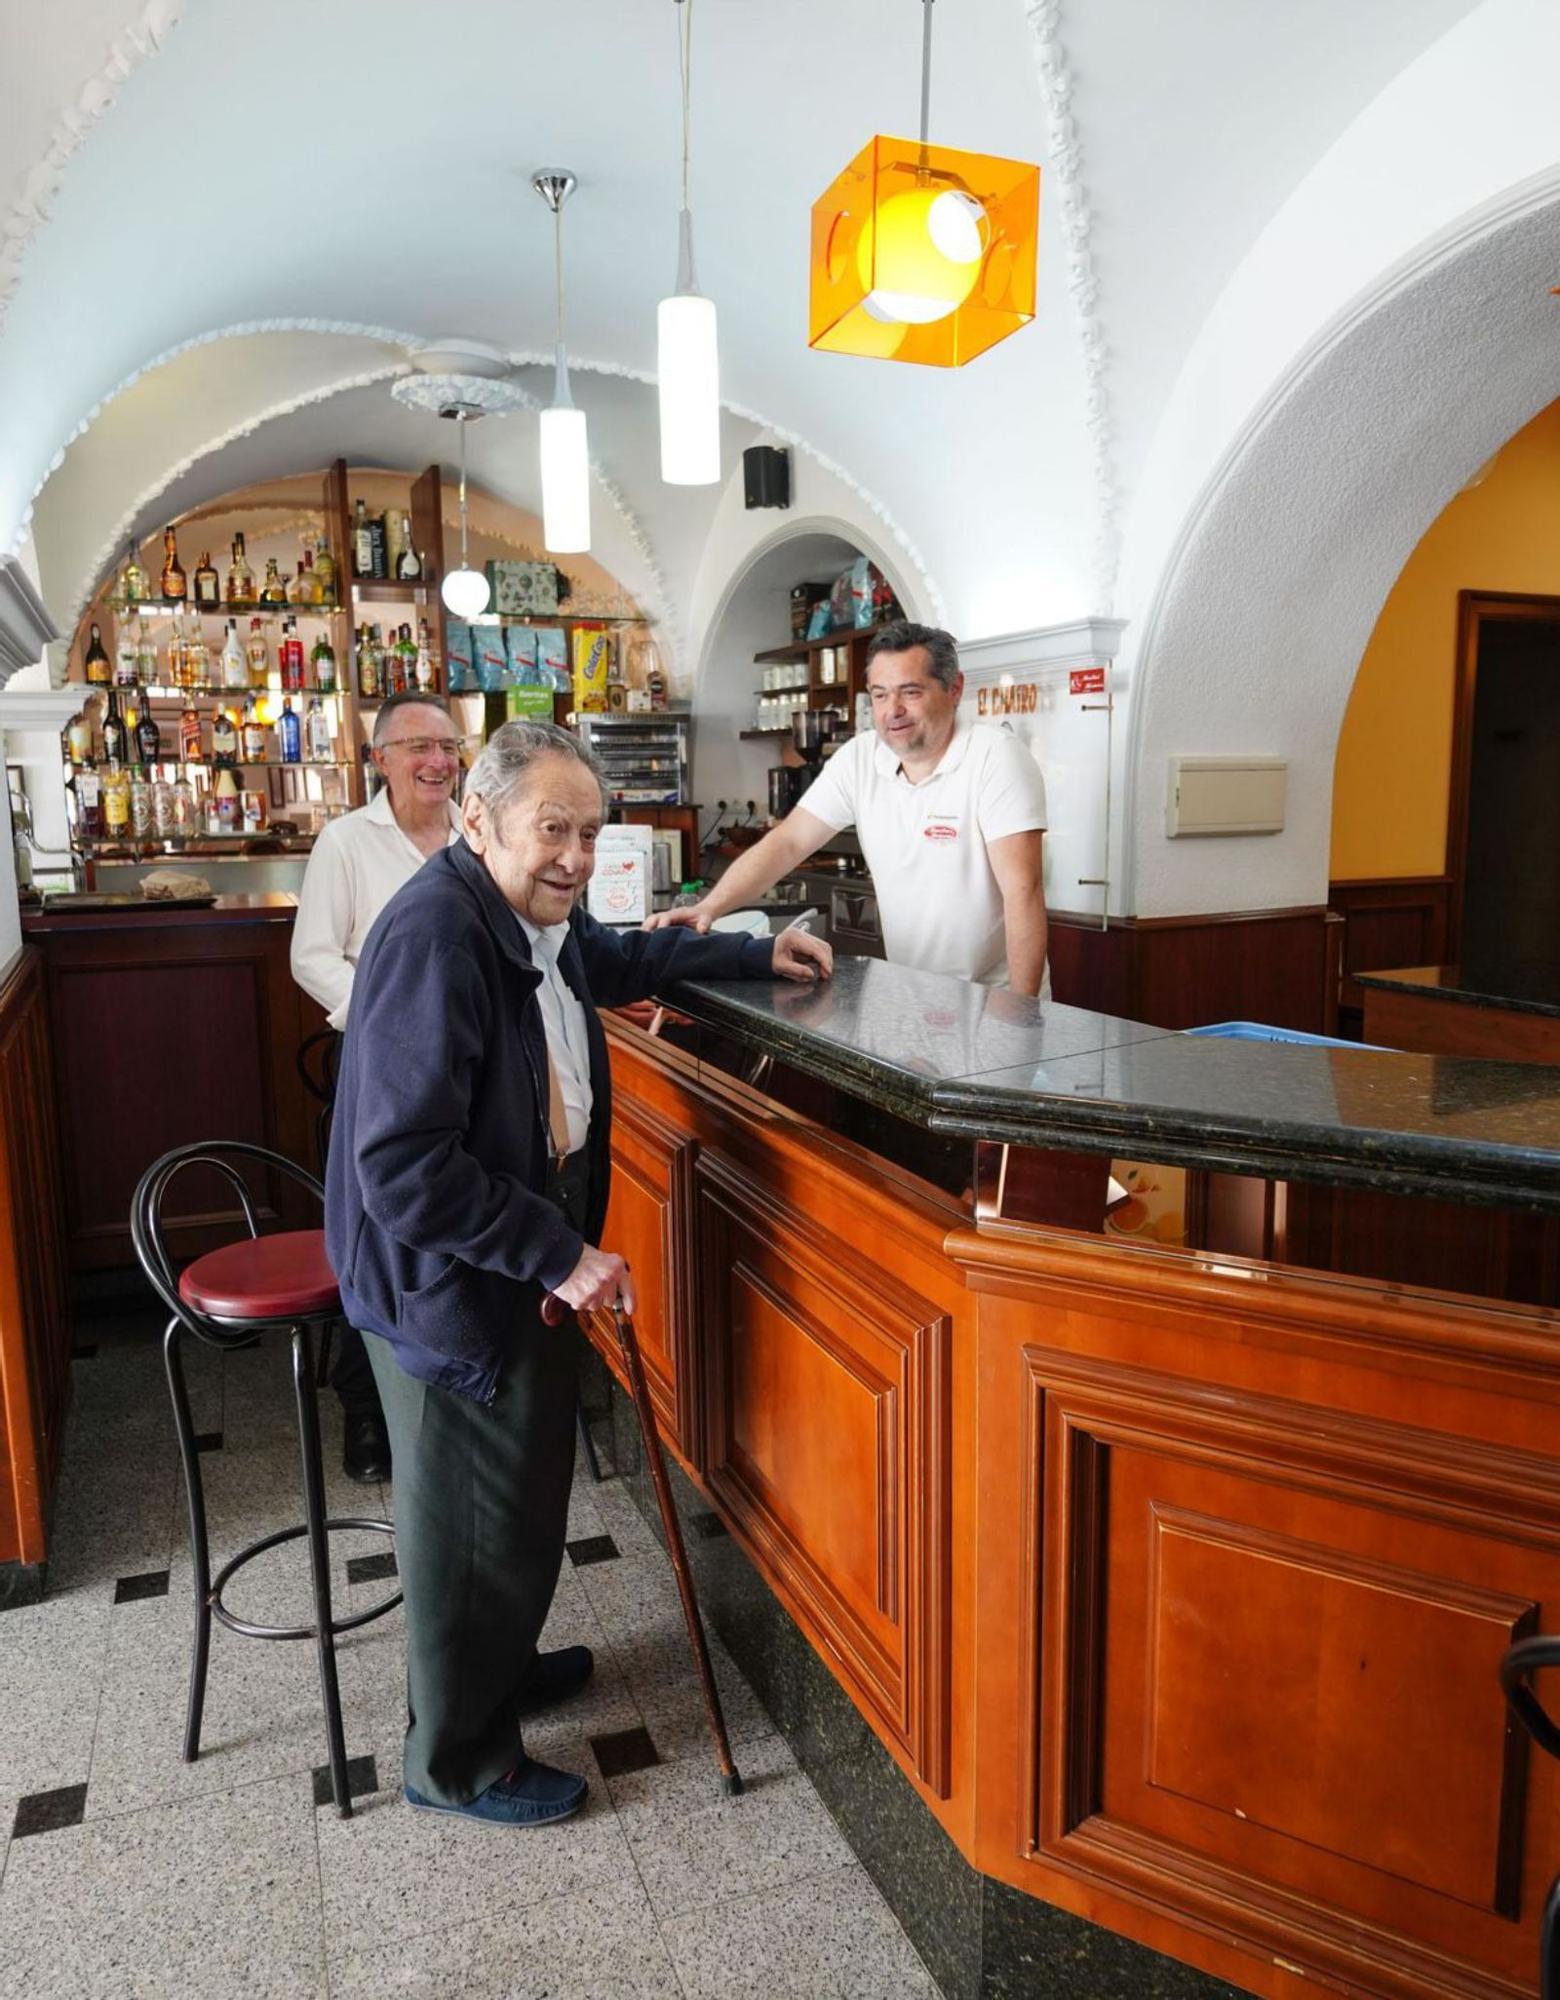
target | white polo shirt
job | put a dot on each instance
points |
(925, 844)
(358, 863)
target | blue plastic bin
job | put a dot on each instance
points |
(1259, 1031)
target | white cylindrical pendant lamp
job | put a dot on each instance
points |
(565, 482)
(688, 366)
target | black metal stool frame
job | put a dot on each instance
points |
(227, 1335)
(1524, 1659)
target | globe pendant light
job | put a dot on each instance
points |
(565, 447)
(687, 357)
(464, 590)
(921, 252)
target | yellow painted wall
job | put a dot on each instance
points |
(1392, 776)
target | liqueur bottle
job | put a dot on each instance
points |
(273, 590)
(148, 737)
(367, 664)
(162, 809)
(197, 657)
(116, 802)
(426, 673)
(115, 735)
(291, 656)
(325, 572)
(406, 651)
(192, 749)
(253, 734)
(89, 803)
(257, 655)
(224, 737)
(96, 665)
(288, 731)
(240, 578)
(316, 729)
(323, 660)
(175, 584)
(134, 585)
(362, 542)
(208, 596)
(235, 667)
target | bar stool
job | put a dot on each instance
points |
(227, 1298)
(1521, 1662)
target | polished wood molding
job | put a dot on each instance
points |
(1389, 921)
(1401, 1018)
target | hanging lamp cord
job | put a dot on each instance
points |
(685, 66)
(461, 423)
(926, 69)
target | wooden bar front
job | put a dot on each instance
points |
(1177, 1586)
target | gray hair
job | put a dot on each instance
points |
(940, 647)
(502, 763)
(413, 698)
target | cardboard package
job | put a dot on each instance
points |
(619, 891)
(528, 589)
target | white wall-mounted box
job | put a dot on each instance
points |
(1212, 795)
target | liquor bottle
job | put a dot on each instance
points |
(378, 565)
(224, 798)
(316, 729)
(115, 735)
(325, 571)
(78, 739)
(192, 749)
(140, 804)
(162, 809)
(323, 660)
(253, 734)
(208, 595)
(96, 665)
(409, 564)
(116, 802)
(235, 667)
(175, 584)
(197, 657)
(148, 737)
(391, 666)
(89, 803)
(240, 578)
(257, 655)
(289, 733)
(362, 543)
(145, 652)
(134, 586)
(367, 664)
(183, 808)
(273, 590)
(291, 650)
(224, 737)
(425, 673)
(406, 648)
(127, 653)
(397, 538)
(300, 590)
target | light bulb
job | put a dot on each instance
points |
(565, 482)
(919, 255)
(688, 367)
(465, 592)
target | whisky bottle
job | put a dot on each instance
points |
(377, 564)
(288, 732)
(134, 586)
(367, 664)
(224, 736)
(240, 578)
(273, 590)
(127, 653)
(208, 596)
(323, 660)
(192, 749)
(115, 736)
(148, 737)
(116, 802)
(317, 731)
(253, 734)
(425, 672)
(197, 657)
(257, 655)
(362, 542)
(175, 584)
(95, 665)
(235, 667)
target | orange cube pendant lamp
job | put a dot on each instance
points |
(923, 253)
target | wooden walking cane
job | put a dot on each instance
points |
(644, 1409)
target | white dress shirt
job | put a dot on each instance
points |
(358, 863)
(564, 1020)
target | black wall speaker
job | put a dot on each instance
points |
(766, 476)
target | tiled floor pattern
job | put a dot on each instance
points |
(126, 1872)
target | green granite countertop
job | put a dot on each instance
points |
(984, 1063)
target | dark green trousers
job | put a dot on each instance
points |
(481, 1510)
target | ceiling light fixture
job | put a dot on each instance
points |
(687, 353)
(565, 448)
(921, 252)
(464, 590)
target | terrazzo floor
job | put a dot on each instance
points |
(126, 1872)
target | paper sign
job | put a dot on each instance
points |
(1086, 680)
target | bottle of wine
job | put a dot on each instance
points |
(323, 660)
(95, 665)
(88, 788)
(288, 731)
(175, 584)
(235, 667)
(148, 737)
(406, 648)
(208, 595)
(362, 542)
(240, 577)
(273, 590)
(115, 735)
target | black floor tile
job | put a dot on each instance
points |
(707, 1526)
(85, 1351)
(369, 1569)
(150, 1583)
(592, 1549)
(362, 1777)
(624, 1750)
(49, 1812)
(208, 1440)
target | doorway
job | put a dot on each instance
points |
(1503, 837)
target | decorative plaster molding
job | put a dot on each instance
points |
(1066, 168)
(31, 207)
(39, 708)
(25, 625)
(1083, 642)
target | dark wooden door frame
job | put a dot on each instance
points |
(1474, 608)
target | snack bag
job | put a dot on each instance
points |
(552, 659)
(457, 653)
(489, 658)
(592, 654)
(520, 640)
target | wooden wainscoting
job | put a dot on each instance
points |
(34, 1311)
(1240, 1659)
(1392, 921)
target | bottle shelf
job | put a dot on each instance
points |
(155, 607)
(170, 691)
(391, 590)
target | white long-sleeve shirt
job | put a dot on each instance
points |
(358, 863)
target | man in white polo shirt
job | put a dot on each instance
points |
(950, 814)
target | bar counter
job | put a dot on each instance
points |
(1449, 1010)
(1137, 1608)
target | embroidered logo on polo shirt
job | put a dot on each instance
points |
(944, 828)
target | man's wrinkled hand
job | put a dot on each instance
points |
(692, 915)
(800, 955)
(597, 1281)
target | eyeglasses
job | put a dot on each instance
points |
(424, 746)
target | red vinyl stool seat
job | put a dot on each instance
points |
(278, 1278)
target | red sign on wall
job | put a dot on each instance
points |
(1086, 680)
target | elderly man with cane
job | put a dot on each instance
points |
(467, 1182)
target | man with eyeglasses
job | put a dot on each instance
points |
(358, 864)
